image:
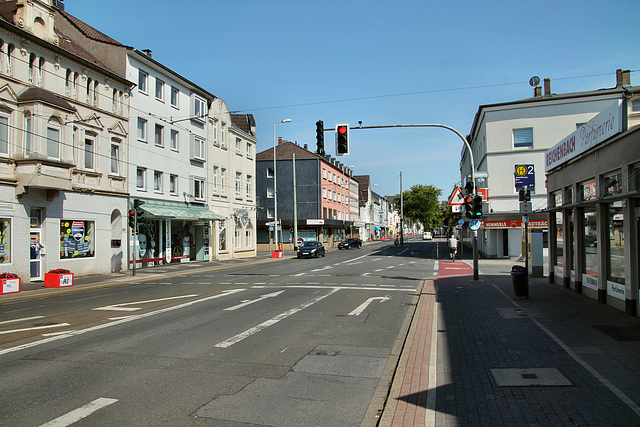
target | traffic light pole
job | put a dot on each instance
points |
(473, 176)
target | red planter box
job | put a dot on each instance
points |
(55, 280)
(10, 286)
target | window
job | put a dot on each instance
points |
(27, 135)
(142, 129)
(115, 158)
(174, 140)
(270, 193)
(157, 181)
(199, 107)
(198, 148)
(175, 94)
(270, 213)
(199, 189)
(159, 135)
(215, 132)
(247, 187)
(222, 130)
(223, 173)
(269, 172)
(587, 190)
(248, 150)
(238, 235)
(140, 178)
(77, 238)
(324, 192)
(215, 179)
(523, 138)
(324, 173)
(222, 236)
(159, 90)
(612, 184)
(238, 147)
(238, 184)
(173, 184)
(142, 81)
(53, 142)
(89, 152)
(635, 106)
(4, 135)
(616, 241)
(7, 243)
(248, 236)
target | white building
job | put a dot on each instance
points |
(63, 138)
(518, 133)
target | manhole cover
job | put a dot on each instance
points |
(532, 377)
(519, 313)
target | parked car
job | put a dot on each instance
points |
(349, 243)
(427, 235)
(311, 248)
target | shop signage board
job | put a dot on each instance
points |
(540, 223)
(602, 127)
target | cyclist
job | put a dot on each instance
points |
(453, 247)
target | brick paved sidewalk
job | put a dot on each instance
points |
(502, 361)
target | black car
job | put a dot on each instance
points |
(350, 243)
(311, 248)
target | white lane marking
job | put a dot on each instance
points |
(35, 328)
(365, 274)
(52, 334)
(235, 339)
(391, 266)
(70, 334)
(328, 267)
(121, 307)
(365, 287)
(354, 263)
(24, 319)
(365, 304)
(80, 413)
(299, 274)
(436, 268)
(380, 269)
(245, 303)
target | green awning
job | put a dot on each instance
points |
(180, 212)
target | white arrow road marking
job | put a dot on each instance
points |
(80, 413)
(236, 339)
(127, 319)
(121, 307)
(35, 328)
(247, 302)
(365, 304)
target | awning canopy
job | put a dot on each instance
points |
(376, 228)
(191, 213)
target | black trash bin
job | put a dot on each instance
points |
(520, 281)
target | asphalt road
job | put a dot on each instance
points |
(284, 343)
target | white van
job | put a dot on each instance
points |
(427, 235)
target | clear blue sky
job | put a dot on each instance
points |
(381, 62)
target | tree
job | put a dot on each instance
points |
(421, 205)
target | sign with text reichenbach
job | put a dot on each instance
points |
(602, 127)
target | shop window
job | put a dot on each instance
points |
(590, 249)
(615, 259)
(5, 241)
(248, 235)
(612, 184)
(587, 190)
(556, 199)
(77, 239)
(238, 235)
(222, 236)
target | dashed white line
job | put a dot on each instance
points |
(35, 328)
(24, 319)
(80, 413)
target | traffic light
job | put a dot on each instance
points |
(467, 202)
(477, 207)
(320, 137)
(136, 205)
(524, 195)
(132, 219)
(342, 140)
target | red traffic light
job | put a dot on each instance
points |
(467, 199)
(132, 212)
(342, 129)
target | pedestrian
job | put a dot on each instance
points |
(453, 247)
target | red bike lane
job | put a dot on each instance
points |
(457, 268)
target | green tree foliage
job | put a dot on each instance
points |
(421, 205)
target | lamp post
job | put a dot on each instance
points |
(275, 185)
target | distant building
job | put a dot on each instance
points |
(322, 194)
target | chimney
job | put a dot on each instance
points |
(537, 92)
(623, 78)
(279, 140)
(306, 147)
(147, 52)
(547, 87)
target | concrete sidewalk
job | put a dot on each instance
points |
(476, 355)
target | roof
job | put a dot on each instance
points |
(88, 30)
(43, 95)
(284, 151)
(244, 122)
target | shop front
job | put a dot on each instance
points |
(171, 233)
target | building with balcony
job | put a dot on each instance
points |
(63, 148)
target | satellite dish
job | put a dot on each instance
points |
(533, 81)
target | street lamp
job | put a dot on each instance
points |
(275, 186)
